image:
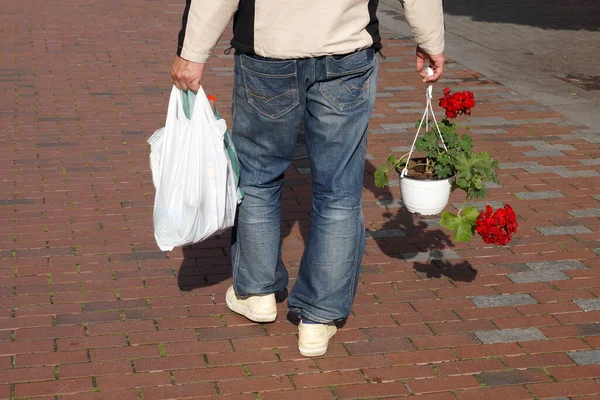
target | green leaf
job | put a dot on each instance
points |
(381, 177)
(449, 221)
(470, 214)
(463, 226)
(464, 231)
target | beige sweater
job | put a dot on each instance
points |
(297, 29)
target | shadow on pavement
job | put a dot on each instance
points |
(547, 14)
(419, 237)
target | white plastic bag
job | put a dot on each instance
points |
(196, 193)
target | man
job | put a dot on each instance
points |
(310, 62)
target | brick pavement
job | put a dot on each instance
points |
(92, 310)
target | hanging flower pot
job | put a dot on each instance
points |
(449, 162)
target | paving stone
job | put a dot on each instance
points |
(480, 205)
(488, 131)
(550, 194)
(503, 300)
(431, 255)
(537, 276)
(586, 213)
(588, 304)
(557, 265)
(400, 149)
(564, 230)
(544, 154)
(510, 335)
(585, 357)
(590, 161)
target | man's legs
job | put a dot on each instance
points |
(267, 113)
(338, 108)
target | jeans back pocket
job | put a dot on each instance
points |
(271, 85)
(348, 78)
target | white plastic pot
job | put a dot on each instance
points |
(424, 196)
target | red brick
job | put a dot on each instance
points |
(50, 332)
(442, 384)
(502, 393)
(203, 347)
(182, 335)
(190, 322)
(52, 358)
(303, 394)
(169, 363)
(255, 385)
(489, 350)
(92, 342)
(424, 316)
(124, 381)
(452, 340)
(119, 353)
(328, 379)
(283, 368)
(28, 346)
(25, 322)
(372, 390)
(126, 394)
(176, 392)
(398, 331)
(533, 321)
(484, 313)
(95, 369)
(241, 357)
(421, 357)
(16, 375)
(379, 346)
(391, 374)
(209, 374)
(575, 372)
(64, 386)
(470, 367)
(561, 295)
(553, 346)
(538, 360)
(565, 389)
(579, 317)
(352, 362)
(120, 327)
(548, 308)
(461, 326)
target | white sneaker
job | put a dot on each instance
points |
(257, 308)
(314, 338)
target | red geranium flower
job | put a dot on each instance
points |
(497, 226)
(457, 103)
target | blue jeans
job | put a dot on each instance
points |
(333, 96)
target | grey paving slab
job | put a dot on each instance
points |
(550, 194)
(585, 213)
(588, 304)
(503, 300)
(537, 276)
(586, 357)
(556, 265)
(510, 335)
(564, 230)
